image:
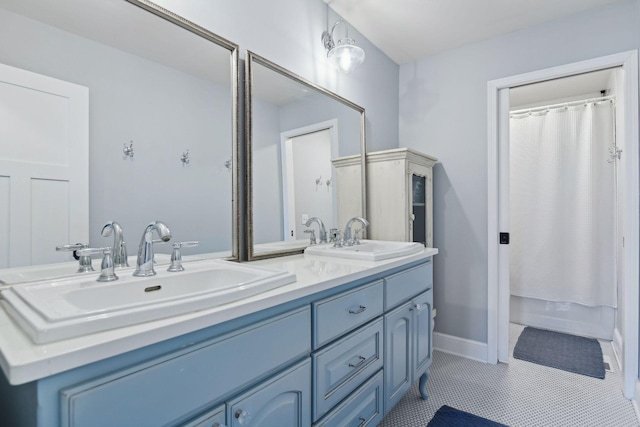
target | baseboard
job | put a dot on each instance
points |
(617, 347)
(470, 349)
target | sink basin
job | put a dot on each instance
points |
(53, 310)
(368, 250)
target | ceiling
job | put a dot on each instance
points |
(581, 86)
(407, 30)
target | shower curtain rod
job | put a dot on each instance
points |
(563, 104)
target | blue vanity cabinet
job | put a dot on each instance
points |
(408, 332)
(284, 401)
(341, 357)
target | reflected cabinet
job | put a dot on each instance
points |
(399, 194)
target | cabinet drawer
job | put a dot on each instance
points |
(343, 366)
(337, 315)
(400, 287)
(363, 408)
(169, 389)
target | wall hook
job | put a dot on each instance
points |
(128, 149)
(184, 158)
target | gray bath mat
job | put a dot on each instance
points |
(562, 351)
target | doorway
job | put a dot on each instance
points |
(498, 209)
(307, 177)
(563, 204)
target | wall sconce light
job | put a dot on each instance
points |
(343, 54)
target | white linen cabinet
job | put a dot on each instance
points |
(399, 194)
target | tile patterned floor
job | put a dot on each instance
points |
(518, 394)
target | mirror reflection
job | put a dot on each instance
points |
(111, 113)
(297, 132)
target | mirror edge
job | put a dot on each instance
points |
(250, 58)
(235, 114)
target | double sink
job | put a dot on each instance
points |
(60, 308)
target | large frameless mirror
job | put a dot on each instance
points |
(299, 137)
(112, 110)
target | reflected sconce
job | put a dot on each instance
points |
(344, 54)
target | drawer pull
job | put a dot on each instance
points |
(358, 310)
(362, 422)
(361, 360)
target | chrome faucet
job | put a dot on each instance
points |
(347, 230)
(144, 263)
(119, 251)
(321, 229)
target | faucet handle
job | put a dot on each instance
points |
(107, 273)
(187, 244)
(176, 255)
(312, 238)
(85, 260)
(356, 238)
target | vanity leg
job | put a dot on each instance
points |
(423, 385)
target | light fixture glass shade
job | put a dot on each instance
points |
(346, 56)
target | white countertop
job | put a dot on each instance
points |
(23, 361)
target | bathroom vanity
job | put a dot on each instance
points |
(340, 346)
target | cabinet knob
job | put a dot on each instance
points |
(218, 425)
(243, 417)
(418, 307)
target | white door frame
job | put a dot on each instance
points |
(288, 214)
(498, 280)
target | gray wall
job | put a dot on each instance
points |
(288, 32)
(443, 112)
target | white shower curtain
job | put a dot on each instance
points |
(562, 205)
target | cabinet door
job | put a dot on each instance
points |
(422, 333)
(397, 356)
(283, 401)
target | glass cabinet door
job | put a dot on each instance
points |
(419, 209)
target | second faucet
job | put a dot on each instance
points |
(144, 263)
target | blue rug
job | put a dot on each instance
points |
(561, 351)
(452, 417)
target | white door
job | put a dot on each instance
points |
(44, 167)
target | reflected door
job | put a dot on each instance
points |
(44, 167)
(308, 189)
